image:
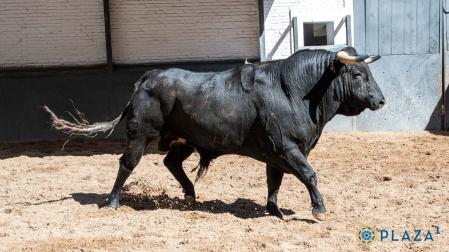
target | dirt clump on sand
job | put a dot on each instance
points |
(49, 199)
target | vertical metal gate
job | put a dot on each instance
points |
(407, 33)
(444, 11)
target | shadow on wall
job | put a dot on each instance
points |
(100, 95)
(267, 4)
(436, 119)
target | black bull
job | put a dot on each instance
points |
(270, 111)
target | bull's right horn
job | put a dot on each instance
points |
(345, 58)
(371, 59)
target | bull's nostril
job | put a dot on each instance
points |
(382, 102)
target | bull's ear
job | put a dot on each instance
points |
(345, 58)
(371, 59)
(247, 77)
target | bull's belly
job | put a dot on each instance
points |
(254, 151)
(222, 139)
(219, 138)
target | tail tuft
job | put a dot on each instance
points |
(81, 125)
(203, 166)
(202, 169)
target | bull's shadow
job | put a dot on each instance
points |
(241, 208)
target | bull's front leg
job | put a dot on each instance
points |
(274, 180)
(298, 165)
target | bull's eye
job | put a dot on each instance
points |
(356, 75)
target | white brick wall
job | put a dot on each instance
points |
(51, 32)
(276, 24)
(277, 21)
(173, 30)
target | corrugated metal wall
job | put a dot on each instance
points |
(398, 27)
(63, 32)
(173, 30)
(51, 33)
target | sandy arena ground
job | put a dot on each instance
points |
(49, 199)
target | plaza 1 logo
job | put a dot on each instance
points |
(371, 234)
(367, 234)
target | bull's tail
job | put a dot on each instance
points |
(81, 126)
(203, 166)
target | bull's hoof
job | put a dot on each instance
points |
(319, 214)
(274, 210)
(114, 204)
(189, 199)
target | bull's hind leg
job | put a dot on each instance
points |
(173, 161)
(143, 122)
(274, 180)
(128, 162)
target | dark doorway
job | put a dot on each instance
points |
(318, 33)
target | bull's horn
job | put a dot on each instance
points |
(345, 58)
(371, 59)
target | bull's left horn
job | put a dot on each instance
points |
(345, 58)
(371, 59)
